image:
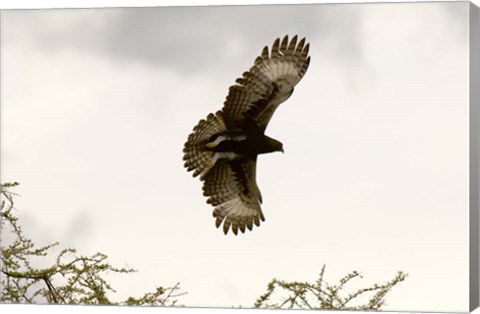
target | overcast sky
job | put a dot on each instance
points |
(97, 104)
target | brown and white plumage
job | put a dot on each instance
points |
(223, 148)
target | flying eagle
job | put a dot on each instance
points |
(223, 148)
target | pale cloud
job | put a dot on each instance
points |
(100, 102)
(188, 39)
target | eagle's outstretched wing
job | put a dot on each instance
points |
(230, 185)
(232, 189)
(268, 83)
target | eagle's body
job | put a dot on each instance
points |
(223, 148)
(244, 144)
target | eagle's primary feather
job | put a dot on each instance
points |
(223, 148)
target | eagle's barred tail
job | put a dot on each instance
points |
(236, 222)
(196, 156)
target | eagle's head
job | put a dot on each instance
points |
(274, 145)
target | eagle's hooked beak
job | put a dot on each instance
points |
(282, 150)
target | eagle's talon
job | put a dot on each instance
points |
(210, 164)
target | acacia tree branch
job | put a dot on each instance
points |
(83, 276)
(314, 296)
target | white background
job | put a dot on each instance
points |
(264, 186)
